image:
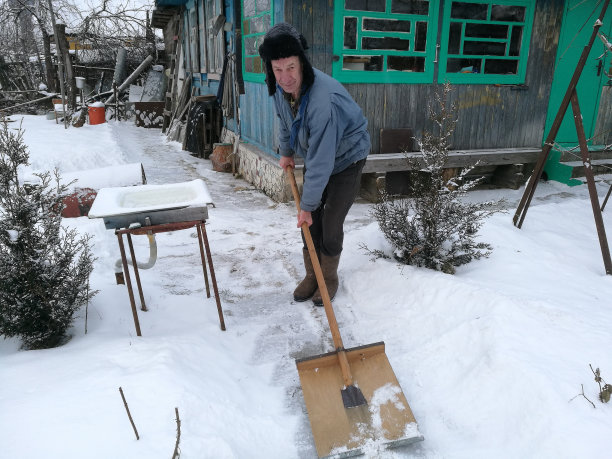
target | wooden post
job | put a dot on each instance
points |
(521, 211)
(588, 172)
(60, 63)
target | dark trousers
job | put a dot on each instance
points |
(327, 227)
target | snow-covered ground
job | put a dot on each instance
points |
(490, 359)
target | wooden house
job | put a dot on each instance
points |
(509, 63)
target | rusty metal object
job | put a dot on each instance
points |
(163, 228)
(143, 306)
(521, 211)
(588, 172)
(129, 283)
(166, 227)
(212, 275)
(201, 244)
(603, 206)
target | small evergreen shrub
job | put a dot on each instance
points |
(44, 268)
(434, 227)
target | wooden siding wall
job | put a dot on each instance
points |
(489, 116)
(257, 117)
(603, 128)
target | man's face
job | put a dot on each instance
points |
(288, 74)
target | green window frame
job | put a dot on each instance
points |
(385, 41)
(257, 18)
(485, 41)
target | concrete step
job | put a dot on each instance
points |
(599, 166)
(574, 155)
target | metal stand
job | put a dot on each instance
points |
(571, 97)
(204, 246)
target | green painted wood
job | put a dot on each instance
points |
(577, 26)
(362, 76)
(248, 15)
(484, 78)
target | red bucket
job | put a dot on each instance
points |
(96, 115)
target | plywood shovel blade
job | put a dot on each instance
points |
(386, 420)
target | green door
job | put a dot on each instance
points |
(577, 27)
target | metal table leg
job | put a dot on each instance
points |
(128, 283)
(202, 225)
(203, 260)
(143, 306)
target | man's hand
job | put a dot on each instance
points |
(304, 217)
(286, 161)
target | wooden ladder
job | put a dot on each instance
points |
(168, 97)
(172, 77)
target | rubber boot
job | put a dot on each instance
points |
(307, 287)
(329, 266)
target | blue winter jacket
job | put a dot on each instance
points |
(329, 132)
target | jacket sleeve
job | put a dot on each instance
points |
(321, 155)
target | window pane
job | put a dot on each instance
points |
(482, 48)
(515, 42)
(507, 13)
(385, 43)
(406, 63)
(462, 10)
(501, 67)
(246, 27)
(421, 36)
(463, 66)
(386, 25)
(365, 5)
(350, 33)
(253, 65)
(454, 38)
(248, 8)
(367, 63)
(486, 31)
(260, 24)
(251, 44)
(410, 6)
(263, 5)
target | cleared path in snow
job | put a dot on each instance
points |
(256, 283)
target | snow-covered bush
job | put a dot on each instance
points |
(44, 268)
(434, 227)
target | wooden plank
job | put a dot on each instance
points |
(331, 358)
(386, 420)
(394, 140)
(328, 33)
(387, 162)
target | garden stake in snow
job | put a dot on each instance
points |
(352, 395)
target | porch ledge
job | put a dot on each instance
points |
(390, 162)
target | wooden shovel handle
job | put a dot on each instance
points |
(329, 310)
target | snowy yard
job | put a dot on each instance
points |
(489, 359)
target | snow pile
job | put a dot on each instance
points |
(488, 359)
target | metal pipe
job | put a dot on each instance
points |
(131, 78)
(146, 265)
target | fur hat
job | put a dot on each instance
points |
(281, 41)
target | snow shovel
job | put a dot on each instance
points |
(352, 396)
